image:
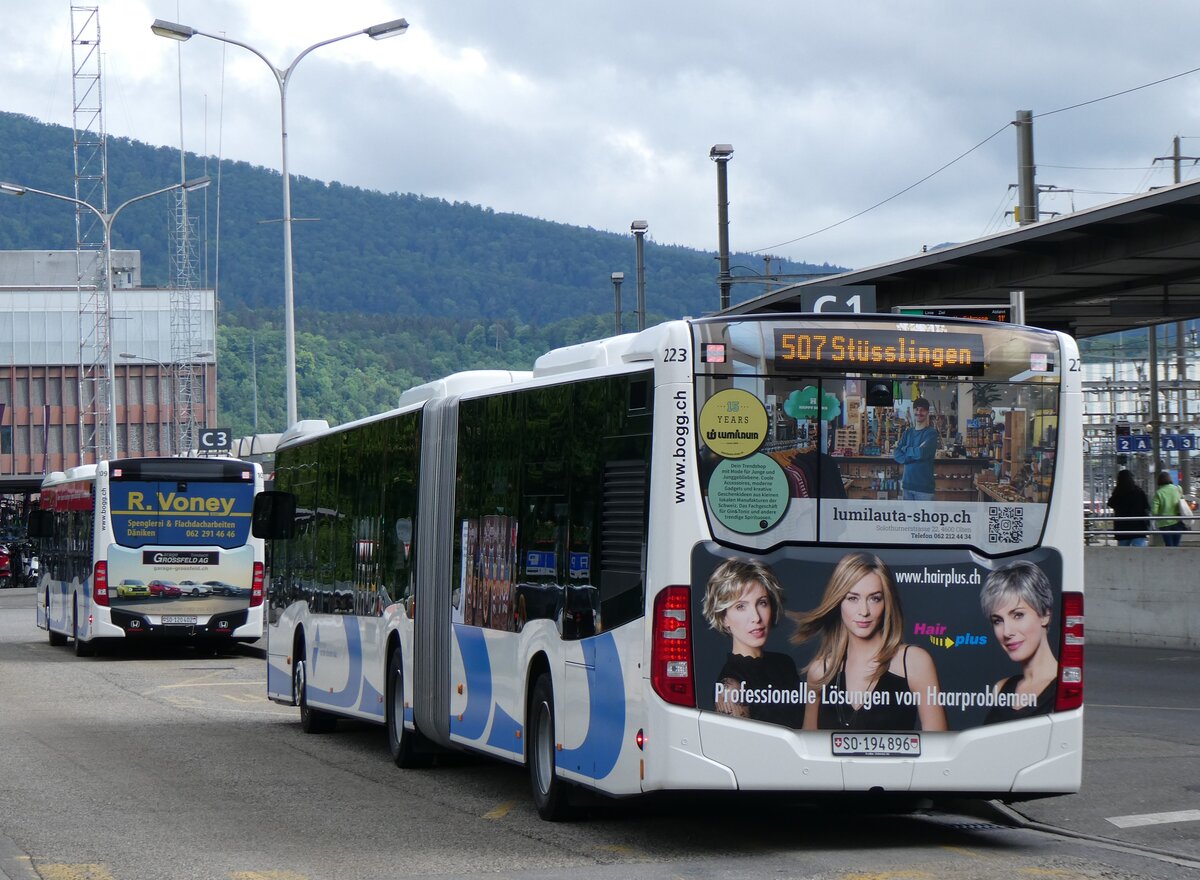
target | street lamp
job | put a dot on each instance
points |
(617, 278)
(182, 32)
(163, 372)
(107, 220)
(638, 228)
(721, 154)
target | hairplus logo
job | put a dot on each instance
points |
(940, 637)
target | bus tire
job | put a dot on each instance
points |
(57, 639)
(311, 720)
(551, 795)
(405, 744)
(82, 648)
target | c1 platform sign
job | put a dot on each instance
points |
(178, 513)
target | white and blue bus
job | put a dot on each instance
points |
(150, 548)
(802, 553)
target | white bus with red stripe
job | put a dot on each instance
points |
(145, 549)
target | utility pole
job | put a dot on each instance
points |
(1185, 476)
(1027, 200)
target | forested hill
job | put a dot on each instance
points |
(391, 289)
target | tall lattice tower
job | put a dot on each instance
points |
(186, 328)
(91, 186)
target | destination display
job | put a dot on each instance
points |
(879, 351)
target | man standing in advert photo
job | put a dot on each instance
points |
(915, 451)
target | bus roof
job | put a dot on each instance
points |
(613, 351)
(461, 383)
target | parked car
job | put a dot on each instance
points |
(164, 589)
(133, 589)
(6, 572)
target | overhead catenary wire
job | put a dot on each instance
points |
(968, 152)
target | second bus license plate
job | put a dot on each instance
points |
(185, 619)
(886, 745)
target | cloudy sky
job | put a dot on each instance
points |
(598, 113)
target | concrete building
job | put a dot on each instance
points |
(44, 350)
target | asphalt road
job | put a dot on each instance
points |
(155, 765)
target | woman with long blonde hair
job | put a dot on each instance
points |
(864, 676)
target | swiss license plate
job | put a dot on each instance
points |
(177, 619)
(885, 745)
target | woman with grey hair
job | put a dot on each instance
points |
(744, 600)
(1017, 600)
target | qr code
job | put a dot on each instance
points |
(1006, 525)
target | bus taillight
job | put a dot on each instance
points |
(671, 647)
(100, 583)
(256, 586)
(1070, 652)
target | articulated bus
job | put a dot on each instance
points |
(799, 553)
(150, 548)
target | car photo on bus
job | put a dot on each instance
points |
(134, 589)
(164, 589)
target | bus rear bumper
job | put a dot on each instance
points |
(695, 750)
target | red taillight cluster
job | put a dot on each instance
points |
(671, 647)
(256, 587)
(1070, 654)
(100, 583)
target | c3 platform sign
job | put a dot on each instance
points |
(214, 440)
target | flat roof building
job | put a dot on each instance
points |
(47, 352)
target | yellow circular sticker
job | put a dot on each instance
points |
(733, 423)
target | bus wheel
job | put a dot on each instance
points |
(405, 744)
(57, 639)
(311, 720)
(551, 795)
(82, 648)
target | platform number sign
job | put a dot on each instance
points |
(213, 439)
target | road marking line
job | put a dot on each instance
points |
(1155, 818)
(184, 702)
(207, 684)
(73, 872)
(244, 698)
(266, 875)
(501, 811)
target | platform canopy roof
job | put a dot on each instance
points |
(1125, 264)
